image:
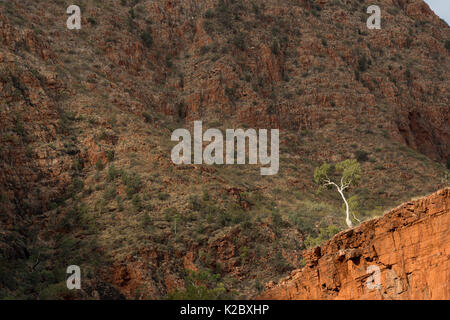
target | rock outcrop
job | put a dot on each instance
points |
(86, 118)
(409, 246)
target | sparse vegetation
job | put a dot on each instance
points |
(324, 235)
(85, 143)
(147, 38)
(202, 285)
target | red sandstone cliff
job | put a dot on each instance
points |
(76, 106)
(410, 245)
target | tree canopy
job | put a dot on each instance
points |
(349, 170)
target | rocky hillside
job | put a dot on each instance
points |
(410, 246)
(86, 118)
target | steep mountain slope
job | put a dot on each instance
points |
(86, 117)
(410, 246)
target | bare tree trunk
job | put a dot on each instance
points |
(347, 210)
(340, 189)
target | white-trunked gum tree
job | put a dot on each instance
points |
(344, 174)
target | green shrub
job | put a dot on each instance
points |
(324, 235)
(281, 264)
(223, 13)
(56, 291)
(112, 173)
(163, 196)
(110, 193)
(136, 201)
(99, 164)
(92, 21)
(18, 126)
(277, 221)
(243, 253)
(205, 195)
(132, 182)
(147, 222)
(239, 41)
(202, 285)
(194, 203)
(209, 14)
(77, 165)
(147, 117)
(76, 187)
(361, 155)
(362, 63)
(275, 47)
(208, 26)
(447, 45)
(29, 152)
(204, 50)
(110, 155)
(147, 37)
(393, 10)
(230, 92)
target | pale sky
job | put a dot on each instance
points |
(441, 8)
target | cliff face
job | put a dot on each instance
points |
(86, 118)
(410, 245)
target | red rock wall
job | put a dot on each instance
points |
(410, 245)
